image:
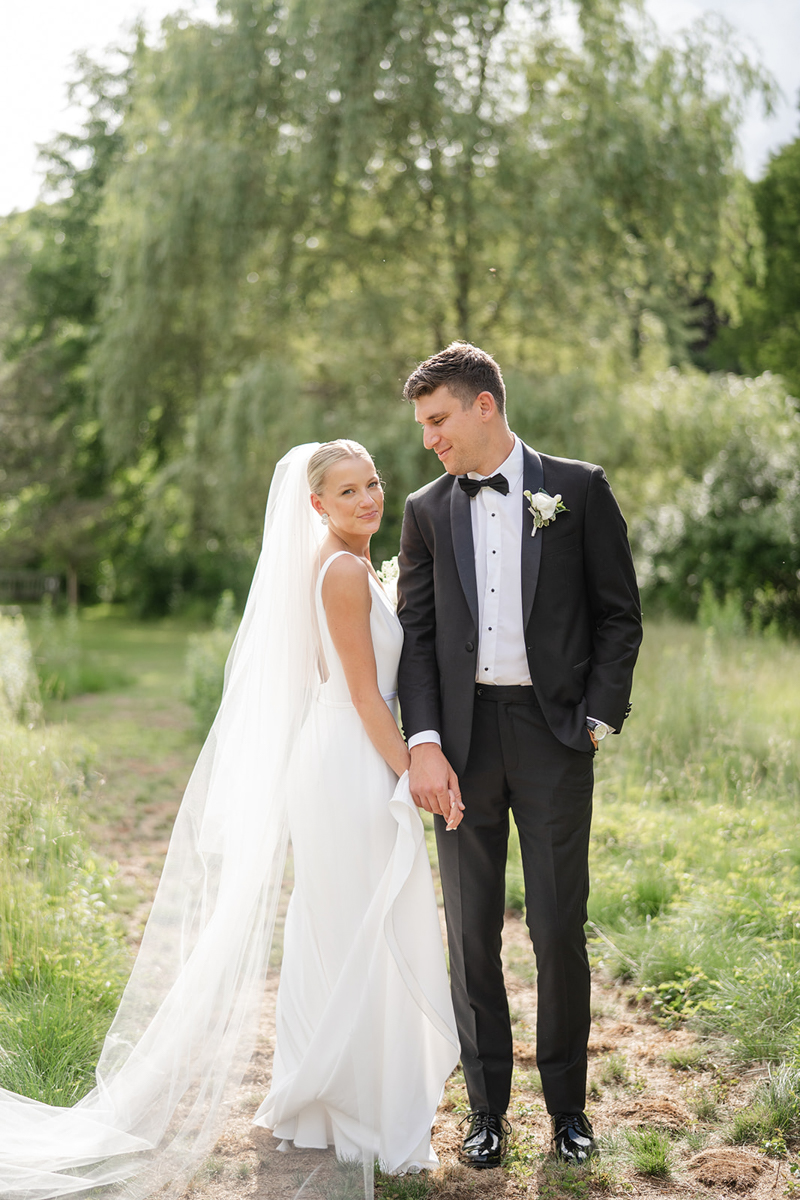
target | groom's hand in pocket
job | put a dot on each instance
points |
(434, 783)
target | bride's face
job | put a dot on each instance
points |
(352, 497)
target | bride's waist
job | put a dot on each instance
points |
(334, 698)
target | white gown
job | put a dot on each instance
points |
(365, 1030)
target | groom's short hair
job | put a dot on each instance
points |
(464, 369)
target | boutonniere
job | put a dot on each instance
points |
(544, 508)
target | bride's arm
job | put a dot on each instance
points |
(347, 600)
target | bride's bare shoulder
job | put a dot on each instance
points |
(346, 576)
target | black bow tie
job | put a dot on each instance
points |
(473, 486)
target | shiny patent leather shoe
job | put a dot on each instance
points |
(573, 1138)
(485, 1143)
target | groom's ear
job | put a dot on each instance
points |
(487, 405)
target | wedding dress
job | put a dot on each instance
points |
(365, 1029)
(187, 1023)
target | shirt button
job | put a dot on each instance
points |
(490, 629)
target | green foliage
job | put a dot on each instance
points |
(61, 960)
(65, 668)
(712, 488)
(402, 1187)
(650, 1152)
(205, 663)
(614, 1070)
(769, 337)
(685, 1058)
(704, 785)
(268, 218)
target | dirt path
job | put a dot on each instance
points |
(641, 1077)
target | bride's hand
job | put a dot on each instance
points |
(456, 810)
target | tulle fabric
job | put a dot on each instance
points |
(187, 1022)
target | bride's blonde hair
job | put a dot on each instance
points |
(329, 453)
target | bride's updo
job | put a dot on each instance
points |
(329, 453)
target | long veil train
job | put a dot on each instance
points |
(187, 1021)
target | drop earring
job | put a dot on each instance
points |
(324, 518)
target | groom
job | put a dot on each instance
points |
(522, 626)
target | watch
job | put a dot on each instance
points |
(597, 730)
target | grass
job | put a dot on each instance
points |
(63, 957)
(650, 1152)
(774, 1114)
(696, 852)
(614, 1070)
(62, 962)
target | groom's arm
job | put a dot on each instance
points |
(418, 676)
(432, 781)
(614, 601)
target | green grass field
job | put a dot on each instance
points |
(695, 852)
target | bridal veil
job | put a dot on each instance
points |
(187, 1022)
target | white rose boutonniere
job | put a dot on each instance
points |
(544, 508)
(388, 574)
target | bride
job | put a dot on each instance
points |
(361, 1055)
(305, 741)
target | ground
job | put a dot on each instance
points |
(661, 1086)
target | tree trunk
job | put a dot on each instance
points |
(72, 587)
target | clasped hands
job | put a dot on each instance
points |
(434, 785)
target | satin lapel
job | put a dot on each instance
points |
(461, 532)
(532, 480)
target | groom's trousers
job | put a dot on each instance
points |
(515, 763)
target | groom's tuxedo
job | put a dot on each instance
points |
(524, 749)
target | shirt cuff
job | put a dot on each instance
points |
(426, 735)
(610, 728)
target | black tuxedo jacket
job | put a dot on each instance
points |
(580, 605)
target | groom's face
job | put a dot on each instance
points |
(457, 435)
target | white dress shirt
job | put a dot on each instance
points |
(497, 538)
(497, 542)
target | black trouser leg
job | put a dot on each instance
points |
(472, 862)
(551, 799)
(515, 761)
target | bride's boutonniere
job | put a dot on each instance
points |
(544, 508)
(388, 574)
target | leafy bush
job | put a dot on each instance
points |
(205, 664)
(718, 504)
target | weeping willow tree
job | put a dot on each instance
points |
(308, 197)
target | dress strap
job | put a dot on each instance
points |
(327, 563)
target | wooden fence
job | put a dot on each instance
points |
(20, 585)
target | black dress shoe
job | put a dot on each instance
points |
(573, 1138)
(485, 1143)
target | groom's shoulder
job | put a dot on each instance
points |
(573, 466)
(432, 492)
